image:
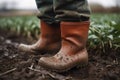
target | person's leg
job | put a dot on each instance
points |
(50, 37)
(73, 16)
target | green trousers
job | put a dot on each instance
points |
(55, 11)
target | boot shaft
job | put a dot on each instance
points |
(51, 32)
(75, 33)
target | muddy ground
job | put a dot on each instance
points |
(17, 65)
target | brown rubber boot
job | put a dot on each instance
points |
(73, 51)
(49, 41)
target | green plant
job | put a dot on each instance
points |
(26, 25)
(105, 31)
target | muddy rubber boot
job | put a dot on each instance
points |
(73, 51)
(49, 41)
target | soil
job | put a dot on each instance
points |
(17, 65)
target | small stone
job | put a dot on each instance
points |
(8, 41)
(6, 54)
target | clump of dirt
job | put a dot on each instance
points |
(17, 65)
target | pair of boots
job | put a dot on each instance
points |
(68, 42)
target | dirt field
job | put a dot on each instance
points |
(17, 65)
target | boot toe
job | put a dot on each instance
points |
(22, 47)
(48, 63)
(51, 63)
(25, 48)
(44, 62)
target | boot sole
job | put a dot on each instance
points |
(77, 65)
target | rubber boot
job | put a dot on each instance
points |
(49, 41)
(73, 51)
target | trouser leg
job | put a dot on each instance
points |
(46, 12)
(71, 10)
(54, 11)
